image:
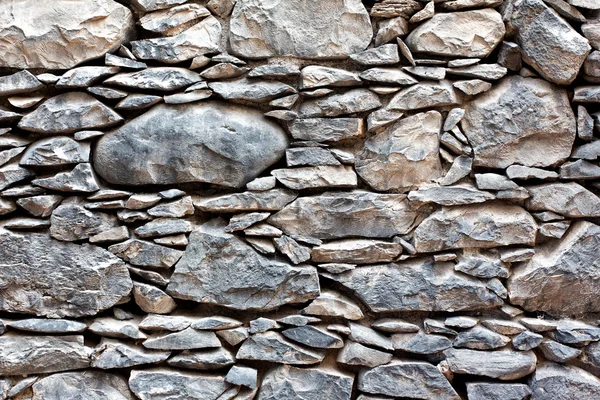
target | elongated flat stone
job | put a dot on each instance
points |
(291, 383)
(165, 384)
(501, 364)
(417, 285)
(89, 385)
(273, 347)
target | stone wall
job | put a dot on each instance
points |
(299, 199)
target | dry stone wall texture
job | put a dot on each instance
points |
(299, 199)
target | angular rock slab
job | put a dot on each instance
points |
(559, 269)
(417, 285)
(502, 364)
(218, 268)
(333, 215)
(414, 379)
(291, 383)
(548, 43)
(89, 385)
(206, 142)
(27, 355)
(68, 113)
(555, 381)
(45, 277)
(403, 156)
(524, 121)
(477, 225)
(164, 384)
(459, 34)
(62, 33)
(331, 29)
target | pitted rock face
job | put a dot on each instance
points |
(61, 33)
(207, 142)
(330, 29)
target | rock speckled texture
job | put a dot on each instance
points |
(299, 199)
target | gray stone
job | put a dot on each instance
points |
(334, 304)
(322, 176)
(202, 274)
(291, 383)
(414, 379)
(450, 195)
(163, 227)
(138, 102)
(306, 30)
(272, 347)
(462, 34)
(472, 87)
(174, 209)
(579, 170)
(388, 76)
(355, 354)
(68, 113)
(26, 223)
(111, 354)
(424, 95)
(591, 31)
(19, 82)
(554, 351)
(146, 254)
(251, 90)
(90, 385)
(480, 338)
(47, 325)
(243, 376)
(162, 79)
(568, 199)
(309, 156)
(420, 343)
(390, 29)
(311, 336)
(481, 71)
(548, 43)
(40, 206)
(24, 354)
(541, 129)
(200, 39)
(315, 76)
(482, 264)
(72, 222)
(296, 252)
(90, 278)
(404, 155)
(79, 179)
(509, 56)
(417, 285)
(350, 102)
(174, 20)
(152, 300)
(489, 225)
(394, 325)
(499, 364)
(357, 251)
(116, 61)
(554, 381)
(395, 8)
(164, 384)
(203, 360)
(527, 340)
(33, 34)
(13, 173)
(386, 54)
(333, 215)
(524, 173)
(327, 129)
(82, 77)
(187, 339)
(269, 200)
(155, 322)
(57, 150)
(116, 328)
(132, 154)
(497, 391)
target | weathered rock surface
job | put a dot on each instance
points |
(358, 251)
(89, 279)
(497, 391)
(68, 113)
(523, 121)
(112, 354)
(414, 379)
(91, 385)
(417, 285)
(164, 384)
(22, 355)
(33, 34)
(305, 384)
(548, 43)
(247, 280)
(460, 34)
(335, 215)
(545, 281)
(273, 347)
(487, 225)
(568, 199)
(139, 154)
(261, 29)
(501, 364)
(555, 381)
(72, 222)
(403, 156)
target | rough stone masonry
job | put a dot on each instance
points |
(299, 199)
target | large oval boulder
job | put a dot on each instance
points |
(60, 34)
(209, 142)
(329, 29)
